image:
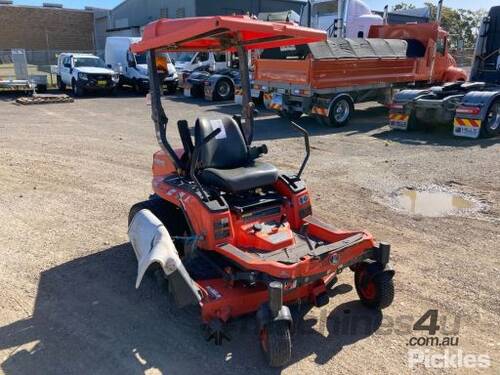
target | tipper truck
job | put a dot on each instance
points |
(325, 79)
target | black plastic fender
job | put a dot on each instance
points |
(375, 269)
(265, 316)
(482, 99)
(406, 96)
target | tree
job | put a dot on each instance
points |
(461, 24)
(403, 6)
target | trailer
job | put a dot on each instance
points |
(22, 81)
(473, 107)
(326, 79)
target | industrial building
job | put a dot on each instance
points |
(129, 16)
(50, 27)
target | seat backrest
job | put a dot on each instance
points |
(227, 150)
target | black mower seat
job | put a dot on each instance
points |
(225, 160)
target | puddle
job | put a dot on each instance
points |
(432, 203)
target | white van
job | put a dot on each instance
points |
(132, 67)
(191, 60)
(84, 72)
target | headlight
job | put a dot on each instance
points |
(82, 76)
(115, 77)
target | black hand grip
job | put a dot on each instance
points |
(211, 136)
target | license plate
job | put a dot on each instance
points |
(187, 92)
(466, 131)
(102, 83)
(255, 93)
(403, 125)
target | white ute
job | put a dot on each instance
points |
(133, 68)
(84, 72)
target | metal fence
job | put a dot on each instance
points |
(39, 62)
(463, 57)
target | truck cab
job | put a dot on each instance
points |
(84, 72)
(340, 18)
(133, 68)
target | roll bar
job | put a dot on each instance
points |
(158, 115)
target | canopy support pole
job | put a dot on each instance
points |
(158, 115)
(248, 106)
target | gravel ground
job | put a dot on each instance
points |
(70, 172)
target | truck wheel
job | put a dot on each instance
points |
(341, 111)
(172, 89)
(77, 91)
(60, 84)
(491, 125)
(291, 115)
(375, 292)
(276, 343)
(224, 90)
(41, 88)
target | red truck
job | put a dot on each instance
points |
(326, 79)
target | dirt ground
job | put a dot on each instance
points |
(70, 172)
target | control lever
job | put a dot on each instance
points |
(194, 160)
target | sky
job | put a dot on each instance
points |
(374, 4)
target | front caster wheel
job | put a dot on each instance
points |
(375, 291)
(276, 343)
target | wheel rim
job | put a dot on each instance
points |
(493, 117)
(368, 290)
(263, 339)
(341, 111)
(223, 89)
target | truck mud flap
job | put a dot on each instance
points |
(398, 121)
(466, 127)
(153, 244)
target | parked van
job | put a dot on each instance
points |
(191, 60)
(84, 72)
(132, 67)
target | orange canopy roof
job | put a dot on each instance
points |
(222, 33)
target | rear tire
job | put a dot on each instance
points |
(276, 343)
(490, 126)
(375, 292)
(291, 115)
(60, 84)
(340, 112)
(224, 90)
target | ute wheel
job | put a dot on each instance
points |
(77, 91)
(491, 124)
(60, 84)
(291, 115)
(276, 343)
(224, 89)
(375, 292)
(341, 111)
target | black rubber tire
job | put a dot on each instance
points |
(41, 89)
(77, 91)
(171, 89)
(60, 84)
(276, 343)
(382, 286)
(487, 130)
(291, 115)
(331, 121)
(230, 93)
(413, 123)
